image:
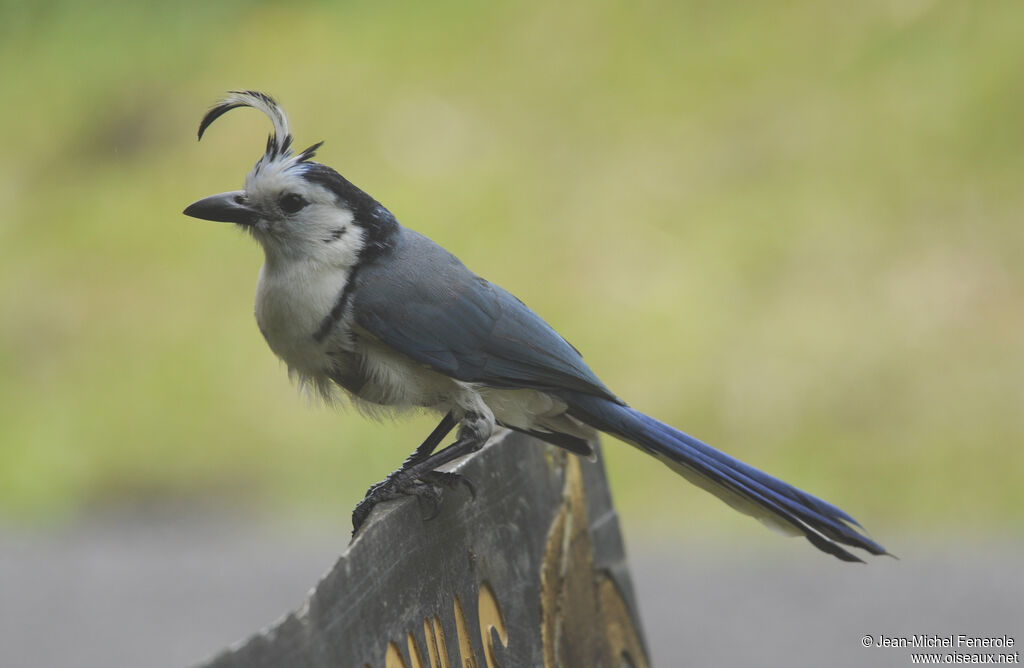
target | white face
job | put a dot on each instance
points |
(300, 220)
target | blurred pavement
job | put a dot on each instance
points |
(168, 590)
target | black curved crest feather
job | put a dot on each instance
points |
(279, 143)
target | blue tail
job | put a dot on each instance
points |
(743, 487)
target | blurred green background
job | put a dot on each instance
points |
(792, 229)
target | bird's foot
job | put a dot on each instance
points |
(427, 487)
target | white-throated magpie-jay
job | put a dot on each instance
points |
(351, 300)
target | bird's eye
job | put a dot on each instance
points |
(291, 203)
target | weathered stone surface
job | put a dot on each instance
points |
(530, 573)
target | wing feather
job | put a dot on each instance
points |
(422, 301)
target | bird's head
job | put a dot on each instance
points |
(296, 208)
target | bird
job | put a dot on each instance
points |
(359, 306)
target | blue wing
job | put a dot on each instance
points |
(426, 304)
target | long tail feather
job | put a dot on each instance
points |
(774, 502)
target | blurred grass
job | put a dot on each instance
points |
(792, 229)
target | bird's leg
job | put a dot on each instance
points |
(418, 475)
(420, 454)
(428, 446)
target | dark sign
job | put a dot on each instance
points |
(530, 573)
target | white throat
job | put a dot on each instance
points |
(292, 300)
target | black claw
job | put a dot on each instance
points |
(452, 480)
(428, 489)
(385, 490)
(441, 478)
(430, 495)
(419, 476)
(469, 486)
(359, 515)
